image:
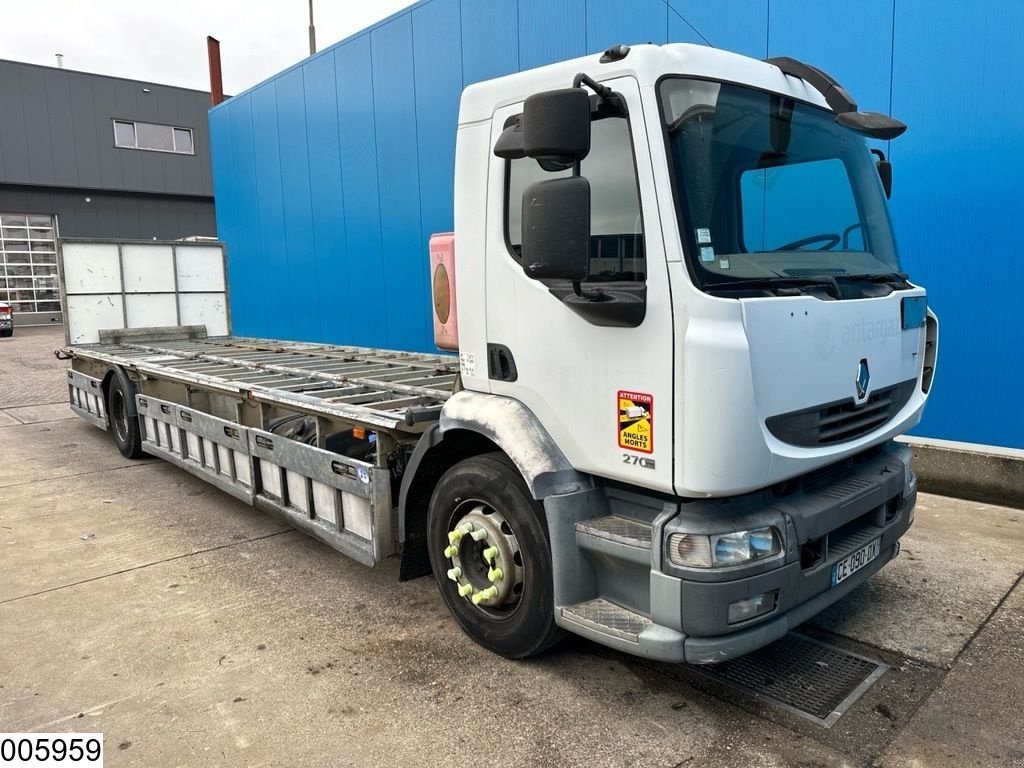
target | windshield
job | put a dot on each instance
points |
(771, 188)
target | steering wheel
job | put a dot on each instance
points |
(829, 239)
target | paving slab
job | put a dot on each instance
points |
(280, 652)
(34, 414)
(101, 523)
(7, 420)
(29, 373)
(60, 449)
(959, 560)
(974, 718)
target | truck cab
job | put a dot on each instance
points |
(684, 320)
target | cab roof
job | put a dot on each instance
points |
(647, 64)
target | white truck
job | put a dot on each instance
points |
(685, 346)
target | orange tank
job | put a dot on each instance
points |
(442, 286)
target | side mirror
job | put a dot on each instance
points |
(556, 229)
(556, 125)
(884, 171)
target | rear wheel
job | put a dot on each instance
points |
(7, 332)
(489, 550)
(123, 425)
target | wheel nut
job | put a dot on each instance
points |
(465, 590)
(451, 551)
(493, 575)
(454, 537)
(485, 594)
(490, 553)
(454, 573)
(479, 534)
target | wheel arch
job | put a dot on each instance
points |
(472, 424)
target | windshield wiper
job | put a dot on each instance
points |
(780, 282)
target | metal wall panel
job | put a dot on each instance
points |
(398, 177)
(32, 86)
(327, 201)
(740, 26)
(550, 32)
(357, 138)
(246, 260)
(274, 276)
(82, 107)
(230, 187)
(438, 80)
(610, 22)
(62, 131)
(301, 299)
(490, 39)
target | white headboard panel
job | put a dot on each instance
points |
(111, 285)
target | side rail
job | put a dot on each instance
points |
(86, 397)
(214, 449)
(344, 502)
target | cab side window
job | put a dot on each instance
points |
(616, 229)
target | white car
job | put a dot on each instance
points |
(6, 319)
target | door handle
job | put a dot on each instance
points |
(501, 365)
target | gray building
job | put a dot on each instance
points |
(84, 155)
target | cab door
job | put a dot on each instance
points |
(599, 378)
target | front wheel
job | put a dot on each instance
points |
(489, 550)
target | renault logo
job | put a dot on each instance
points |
(863, 379)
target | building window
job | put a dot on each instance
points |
(28, 263)
(130, 134)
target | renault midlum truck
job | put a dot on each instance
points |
(684, 343)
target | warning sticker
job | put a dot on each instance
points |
(636, 421)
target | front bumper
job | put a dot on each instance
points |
(826, 516)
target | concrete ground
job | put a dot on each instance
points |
(195, 631)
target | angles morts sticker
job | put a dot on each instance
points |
(636, 421)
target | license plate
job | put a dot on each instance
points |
(853, 563)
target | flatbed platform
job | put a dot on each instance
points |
(384, 389)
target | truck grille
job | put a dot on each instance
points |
(841, 420)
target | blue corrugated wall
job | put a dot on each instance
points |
(330, 177)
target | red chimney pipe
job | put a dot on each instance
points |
(216, 81)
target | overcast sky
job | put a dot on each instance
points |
(165, 42)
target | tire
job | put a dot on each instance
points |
(488, 489)
(124, 427)
(8, 332)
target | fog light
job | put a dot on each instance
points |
(751, 607)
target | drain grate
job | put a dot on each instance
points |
(811, 679)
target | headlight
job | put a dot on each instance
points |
(694, 550)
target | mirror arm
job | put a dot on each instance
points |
(584, 79)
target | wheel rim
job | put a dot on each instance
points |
(484, 560)
(119, 415)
